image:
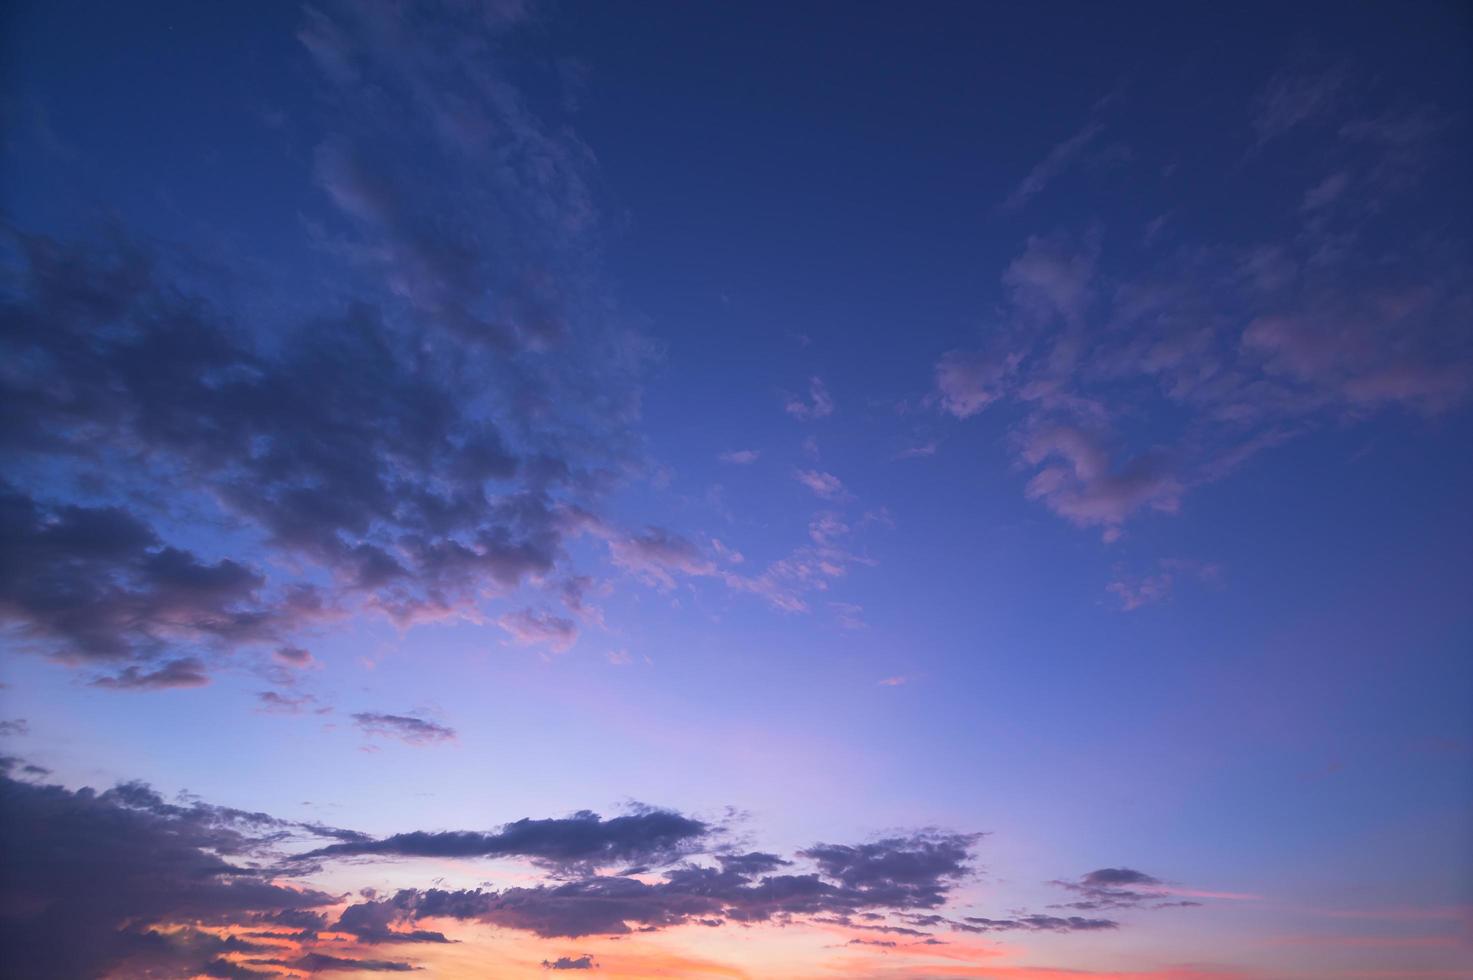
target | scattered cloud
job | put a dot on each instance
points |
(184, 672)
(646, 836)
(584, 962)
(1135, 591)
(405, 728)
(818, 405)
(824, 485)
(530, 628)
(740, 457)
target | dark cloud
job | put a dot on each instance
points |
(647, 836)
(125, 882)
(325, 963)
(1114, 888)
(584, 962)
(900, 872)
(285, 704)
(184, 672)
(406, 728)
(1112, 877)
(387, 460)
(751, 863)
(96, 584)
(295, 656)
(89, 875)
(895, 874)
(1035, 923)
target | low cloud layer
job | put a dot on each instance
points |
(124, 881)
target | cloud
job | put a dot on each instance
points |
(906, 872)
(740, 457)
(1052, 278)
(530, 628)
(1135, 591)
(819, 404)
(896, 681)
(184, 672)
(897, 873)
(1291, 99)
(95, 584)
(967, 382)
(407, 450)
(1051, 166)
(1036, 923)
(1114, 888)
(1081, 485)
(646, 836)
(274, 702)
(921, 451)
(584, 962)
(1326, 192)
(326, 963)
(294, 656)
(825, 485)
(406, 728)
(89, 876)
(486, 250)
(654, 555)
(1135, 387)
(849, 615)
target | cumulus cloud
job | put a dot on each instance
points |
(1077, 480)
(740, 457)
(407, 450)
(90, 877)
(95, 584)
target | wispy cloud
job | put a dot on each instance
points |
(818, 405)
(405, 728)
(1053, 165)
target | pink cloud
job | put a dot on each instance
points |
(825, 485)
(529, 628)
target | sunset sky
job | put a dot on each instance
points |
(676, 489)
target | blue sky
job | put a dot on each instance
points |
(830, 423)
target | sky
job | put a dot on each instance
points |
(748, 490)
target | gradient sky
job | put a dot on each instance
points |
(745, 490)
